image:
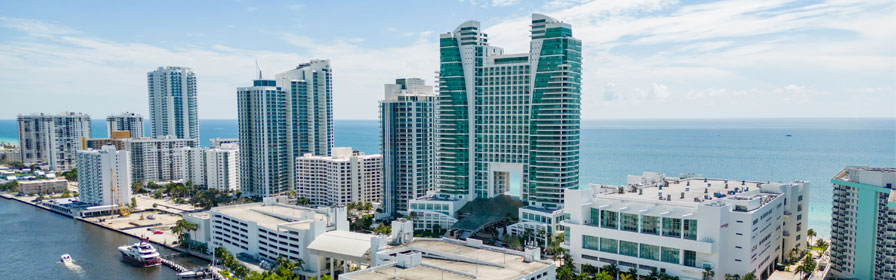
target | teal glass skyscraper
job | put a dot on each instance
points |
(506, 120)
(264, 164)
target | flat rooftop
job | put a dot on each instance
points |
(690, 190)
(453, 259)
(270, 216)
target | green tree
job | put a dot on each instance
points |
(708, 273)
(182, 228)
(565, 273)
(603, 275)
(612, 270)
(66, 194)
(810, 233)
(133, 203)
(382, 228)
(749, 276)
(71, 175)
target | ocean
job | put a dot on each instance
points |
(740, 149)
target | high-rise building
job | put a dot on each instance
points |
(172, 103)
(308, 109)
(347, 176)
(863, 224)
(157, 159)
(50, 141)
(406, 140)
(104, 177)
(130, 122)
(264, 162)
(215, 168)
(507, 120)
(217, 142)
(682, 226)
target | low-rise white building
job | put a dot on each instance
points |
(104, 176)
(268, 229)
(347, 176)
(681, 226)
(42, 186)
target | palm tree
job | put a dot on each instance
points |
(633, 272)
(603, 275)
(626, 276)
(729, 276)
(654, 275)
(708, 273)
(611, 269)
(749, 276)
(565, 273)
(810, 233)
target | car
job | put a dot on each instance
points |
(157, 232)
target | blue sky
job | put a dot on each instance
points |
(642, 58)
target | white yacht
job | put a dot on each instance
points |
(141, 253)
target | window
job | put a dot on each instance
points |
(690, 229)
(690, 258)
(670, 255)
(609, 245)
(590, 242)
(672, 227)
(628, 248)
(595, 216)
(650, 225)
(650, 252)
(630, 222)
(609, 219)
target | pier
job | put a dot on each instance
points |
(179, 269)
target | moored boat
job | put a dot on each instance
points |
(141, 253)
(66, 259)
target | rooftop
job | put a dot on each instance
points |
(454, 259)
(271, 216)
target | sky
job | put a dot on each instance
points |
(642, 59)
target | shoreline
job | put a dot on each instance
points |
(168, 246)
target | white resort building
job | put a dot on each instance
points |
(104, 176)
(347, 176)
(680, 226)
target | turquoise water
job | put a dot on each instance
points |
(735, 149)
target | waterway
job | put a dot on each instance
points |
(33, 239)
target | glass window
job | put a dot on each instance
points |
(650, 252)
(609, 219)
(650, 225)
(609, 245)
(595, 216)
(690, 258)
(690, 229)
(630, 222)
(672, 227)
(628, 248)
(670, 255)
(590, 242)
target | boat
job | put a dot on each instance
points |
(196, 273)
(141, 253)
(66, 259)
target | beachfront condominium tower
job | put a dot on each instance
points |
(172, 102)
(104, 176)
(157, 159)
(308, 109)
(347, 176)
(406, 140)
(505, 116)
(130, 122)
(863, 224)
(264, 163)
(50, 141)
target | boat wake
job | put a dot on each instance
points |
(73, 267)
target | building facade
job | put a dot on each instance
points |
(507, 121)
(264, 163)
(104, 176)
(347, 176)
(406, 140)
(681, 226)
(172, 103)
(158, 159)
(269, 229)
(308, 109)
(50, 141)
(215, 168)
(42, 186)
(863, 224)
(217, 142)
(130, 122)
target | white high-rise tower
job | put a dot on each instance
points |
(172, 103)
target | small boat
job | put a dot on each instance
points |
(141, 253)
(66, 259)
(788, 135)
(196, 273)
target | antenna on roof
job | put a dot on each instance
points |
(258, 68)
